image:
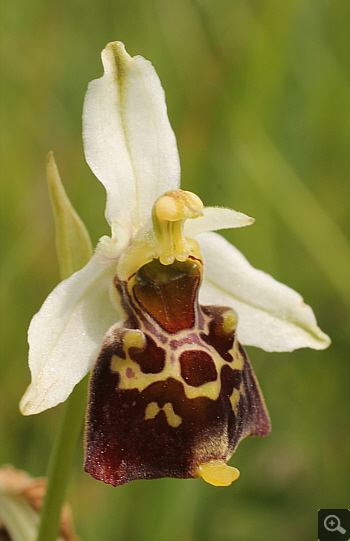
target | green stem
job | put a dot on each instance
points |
(74, 251)
(61, 461)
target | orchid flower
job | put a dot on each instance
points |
(172, 391)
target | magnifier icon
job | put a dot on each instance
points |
(332, 524)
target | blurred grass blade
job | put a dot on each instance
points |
(17, 518)
(295, 204)
(74, 248)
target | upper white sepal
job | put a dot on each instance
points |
(65, 336)
(271, 315)
(128, 141)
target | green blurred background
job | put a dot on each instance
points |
(258, 96)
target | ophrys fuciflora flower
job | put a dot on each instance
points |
(172, 391)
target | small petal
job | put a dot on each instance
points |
(271, 315)
(73, 243)
(128, 140)
(215, 218)
(65, 336)
(110, 248)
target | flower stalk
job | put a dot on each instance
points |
(60, 463)
(74, 250)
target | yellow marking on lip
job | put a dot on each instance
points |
(234, 398)
(173, 419)
(140, 380)
(238, 359)
(209, 390)
(172, 368)
(153, 409)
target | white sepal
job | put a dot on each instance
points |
(65, 336)
(271, 315)
(128, 141)
(215, 218)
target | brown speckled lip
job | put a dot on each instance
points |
(185, 425)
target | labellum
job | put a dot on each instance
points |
(172, 392)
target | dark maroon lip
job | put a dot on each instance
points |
(143, 421)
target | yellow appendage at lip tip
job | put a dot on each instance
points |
(217, 473)
(169, 215)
